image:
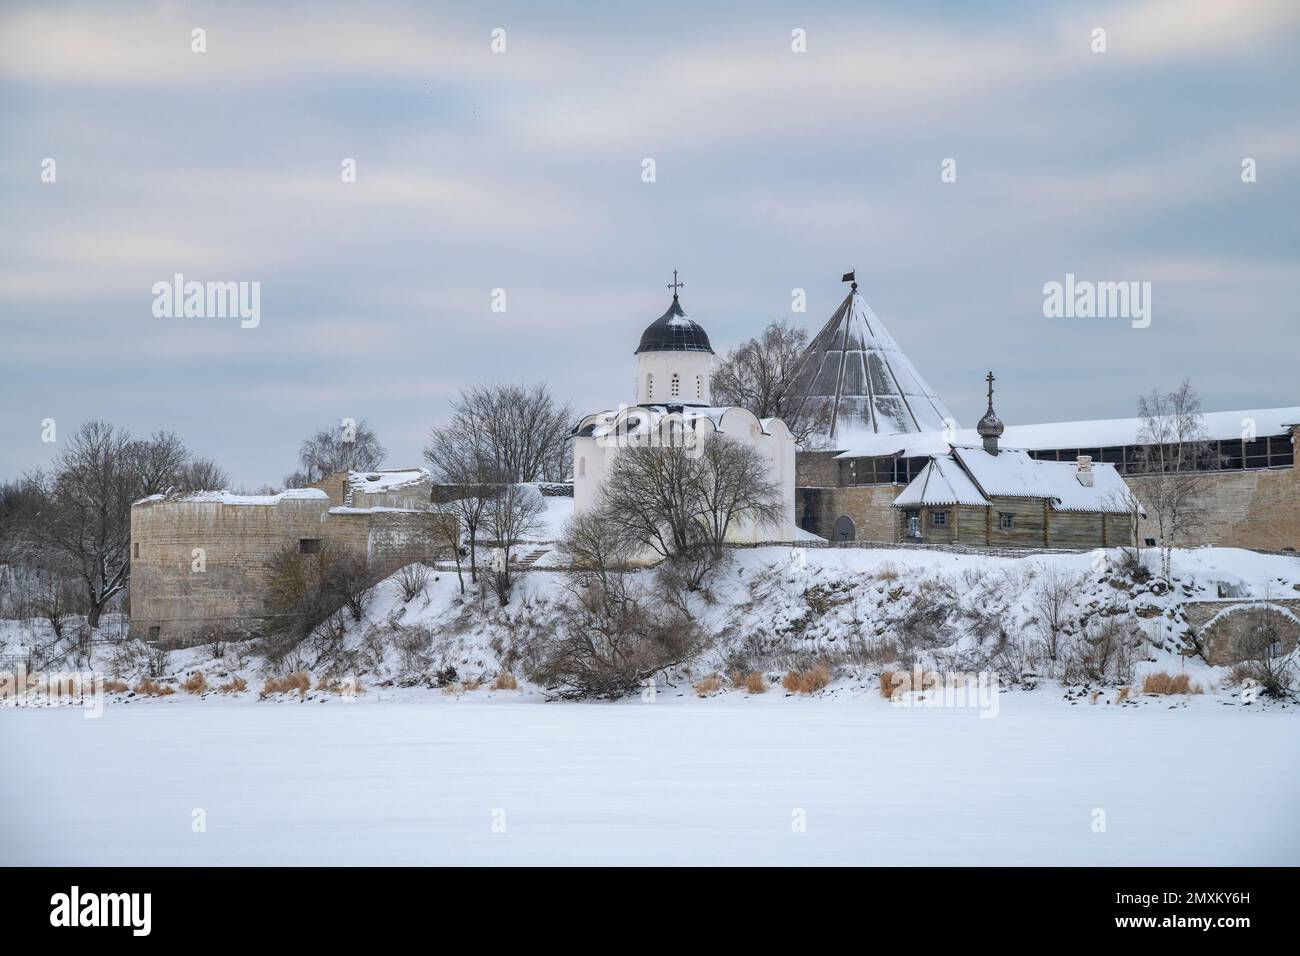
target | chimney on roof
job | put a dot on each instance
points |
(1083, 471)
(990, 426)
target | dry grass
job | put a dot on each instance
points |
(807, 682)
(894, 683)
(196, 683)
(1161, 684)
(463, 687)
(115, 687)
(886, 572)
(708, 685)
(505, 681)
(235, 685)
(1122, 695)
(298, 680)
(151, 688)
(737, 679)
(755, 683)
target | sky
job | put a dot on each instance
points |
(523, 170)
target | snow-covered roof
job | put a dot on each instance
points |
(636, 421)
(378, 509)
(941, 482)
(229, 498)
(971, 476)
(1101, 433)
(384, 481)
(856, 378)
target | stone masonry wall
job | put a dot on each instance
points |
(174, 600)
(172, 593)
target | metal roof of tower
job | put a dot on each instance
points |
(853, 378)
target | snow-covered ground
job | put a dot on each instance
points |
(407, 772)
(680, 781)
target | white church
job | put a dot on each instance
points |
(673, 363)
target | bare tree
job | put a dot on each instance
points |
(305, 588)
(606, 642)
(757, 375)
(733, 484)
(513, 512)
(203, 474)
(754, 375)
(469, 479)
(519, 429)
(681, 499)
(87, 518)
(1172, 459)
(1054, 599)
(159, 462)
(346, 447)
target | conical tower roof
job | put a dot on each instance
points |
(855, 378)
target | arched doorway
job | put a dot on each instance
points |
(844, 530)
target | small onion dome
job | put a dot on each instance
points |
(990, 426)
(674, 332)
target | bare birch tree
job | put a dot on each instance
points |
(1172, 459)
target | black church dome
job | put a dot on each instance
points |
(674, 332)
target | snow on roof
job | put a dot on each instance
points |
(637, 421)
(941, 482)
(386, 480)
(348, 510)
(1013, 474)
(228, 498)
(970, 476)
(1102, 433)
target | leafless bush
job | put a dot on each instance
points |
(1274, 676)
(411, 581)
(1055, 597)
(414, 649)
(925, 622)
(306, 588)
(158, 661)
(1105, 653)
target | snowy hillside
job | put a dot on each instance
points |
(851, 612)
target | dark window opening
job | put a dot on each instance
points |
(938, 518)
(137, 549)
(309, 545)
(1006, 520)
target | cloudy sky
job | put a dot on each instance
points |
(522, 171)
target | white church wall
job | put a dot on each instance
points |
(654, 378)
